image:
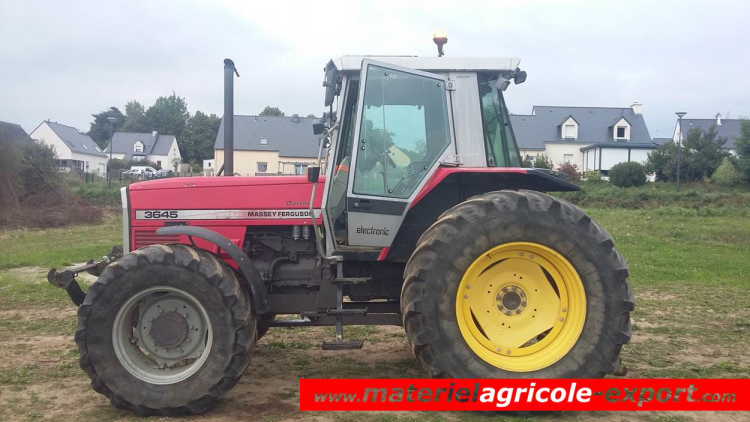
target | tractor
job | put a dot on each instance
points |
(417, 214)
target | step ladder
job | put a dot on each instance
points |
(340, 281)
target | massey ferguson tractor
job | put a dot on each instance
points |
(418, 214)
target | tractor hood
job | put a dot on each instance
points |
(209, 182)
(210, 198)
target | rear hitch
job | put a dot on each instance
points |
(66, 278)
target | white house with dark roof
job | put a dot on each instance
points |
(74, 149)
(591, 138)
(265, 145)
(729, 129)
(153, 146)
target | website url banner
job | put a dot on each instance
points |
(527, 394)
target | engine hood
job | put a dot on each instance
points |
(215, 182)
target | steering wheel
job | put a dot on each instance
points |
(413, 171)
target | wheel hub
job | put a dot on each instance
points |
(511, 300)
(169, 329)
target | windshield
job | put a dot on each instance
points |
(500, 142)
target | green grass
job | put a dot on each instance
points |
(696, 196)
(58, 247)
(664, 246)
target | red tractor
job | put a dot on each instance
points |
(422, 217)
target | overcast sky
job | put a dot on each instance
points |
(64, 60)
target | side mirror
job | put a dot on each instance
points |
(519, 77)
(313, 174)
(319, 128)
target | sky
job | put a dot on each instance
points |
(65, 60)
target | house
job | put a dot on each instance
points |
(729, 129)
(12, 132)
(75, 150)
(157, 148)
(591, 138)
(209, 167)
(265, 145)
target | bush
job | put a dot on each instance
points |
(32, 191)
(593, 177)
(570, 171)
(627, 174)
(727, 174)
(542, 162)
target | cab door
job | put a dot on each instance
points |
(402, 131)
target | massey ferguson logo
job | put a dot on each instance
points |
(373, 231)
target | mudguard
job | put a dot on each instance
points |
(257, 289)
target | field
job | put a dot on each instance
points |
(689, 271)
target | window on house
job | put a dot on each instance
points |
(263, 141)
(262, 167)
(568, 158)
(620, 134)
(138, 147)
(299, 168)
(569, 131)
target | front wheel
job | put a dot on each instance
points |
(166, 330)
(516, 284)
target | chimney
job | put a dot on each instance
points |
(718, 119)
(637, 107)
(154, 134)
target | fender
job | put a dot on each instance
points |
(449, 186)
(257, 289)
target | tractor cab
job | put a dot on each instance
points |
(396, 121)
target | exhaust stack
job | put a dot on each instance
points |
(229, 72)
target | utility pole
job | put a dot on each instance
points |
(680, 115)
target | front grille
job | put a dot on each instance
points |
(149, 237)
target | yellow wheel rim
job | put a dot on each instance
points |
(521, 306)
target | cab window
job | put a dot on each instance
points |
(500, 142)
(403, 132)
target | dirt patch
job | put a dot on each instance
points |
(35, 275)
(41, 350)
(36, 313)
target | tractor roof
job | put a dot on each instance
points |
(471, 64)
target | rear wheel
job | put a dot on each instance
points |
(516, 284)
(166, 330)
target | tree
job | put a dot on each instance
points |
(705, 153)
(197, 141)
(627, 174)
(743, 150)
(700, 156)
(135, 117)
(105, 124)
(168, 115)
(272, 111)
(726, 174)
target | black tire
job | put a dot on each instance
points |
(195, 272)
(464, 232)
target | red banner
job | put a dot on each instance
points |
(525, 394)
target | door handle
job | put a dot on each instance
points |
(363, 204)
